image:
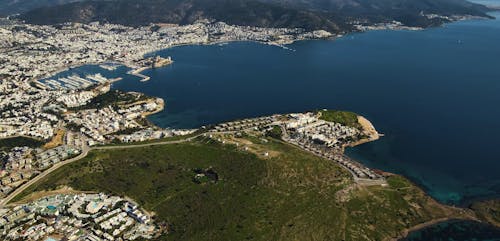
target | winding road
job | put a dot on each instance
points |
(85, 151)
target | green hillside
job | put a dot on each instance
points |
(289, 195)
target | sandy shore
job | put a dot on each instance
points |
(161, 103)
(368, 129)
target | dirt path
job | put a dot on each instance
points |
(84, 153)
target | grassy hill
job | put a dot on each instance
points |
(289, 195)
(343, 117)
(488, 211)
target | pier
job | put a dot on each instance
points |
(137, 73)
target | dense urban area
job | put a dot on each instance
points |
(77, 217)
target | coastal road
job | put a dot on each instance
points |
(40, 176)
(85, 151)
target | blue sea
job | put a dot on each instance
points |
(434, 93)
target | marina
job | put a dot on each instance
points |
(260, 117)
(74, 82)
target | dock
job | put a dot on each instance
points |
(137, 73)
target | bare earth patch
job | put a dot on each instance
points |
(57, 140)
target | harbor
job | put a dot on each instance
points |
(82, 77)
(148, 63)
(74, 82)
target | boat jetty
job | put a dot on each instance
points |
(137, 73)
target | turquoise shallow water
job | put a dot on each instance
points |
(456, 231)
(434, 93)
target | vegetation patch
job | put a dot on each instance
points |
(113, 98)
(290, 196)
(342, 117)
(488, 211)
(275, 132)
(205, 176)
(9, 143)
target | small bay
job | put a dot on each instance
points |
(434, 93)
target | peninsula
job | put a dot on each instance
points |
(248, 178)
(82, 161)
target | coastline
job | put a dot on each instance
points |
(421, 226)
(277, 43)
(161, 103)
(136, 70)
(454, 213)
(436, 221)
(368, 130)
(371, 137)
(459, 213)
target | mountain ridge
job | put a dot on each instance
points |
(9, 7)
(331, 15)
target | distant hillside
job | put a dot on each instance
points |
(350, 7)
(8, 7)
(332, 15)
(406, 11)
(134, 12)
